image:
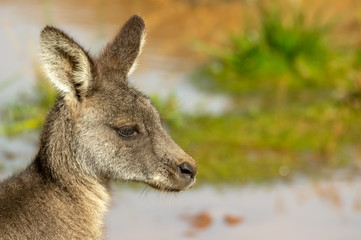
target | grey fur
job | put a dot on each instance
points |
(64, 192)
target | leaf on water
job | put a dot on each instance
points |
(232, 220)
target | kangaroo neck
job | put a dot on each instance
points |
(64, 178)
(57, 163)
(56, 154)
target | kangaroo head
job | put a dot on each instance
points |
(114, 130)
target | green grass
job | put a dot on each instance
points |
(295, 103)
(234, 148)
(279, 59)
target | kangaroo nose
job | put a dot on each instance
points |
(186, 170)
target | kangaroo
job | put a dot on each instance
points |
(99, 129)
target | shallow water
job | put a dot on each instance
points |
(329, 209)
(15, 154)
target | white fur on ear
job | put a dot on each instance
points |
(135, 64)
(63, 88)
(65, 63)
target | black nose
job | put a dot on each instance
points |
(186, 171)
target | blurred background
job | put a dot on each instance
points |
(265, 95)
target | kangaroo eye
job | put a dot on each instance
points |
(127, 132)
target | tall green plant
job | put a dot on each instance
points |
(277, 55)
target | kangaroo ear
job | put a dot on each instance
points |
(66, 64)
(121, 53)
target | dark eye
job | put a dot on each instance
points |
(127, 132)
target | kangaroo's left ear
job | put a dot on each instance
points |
(121, 53)
(67, 65)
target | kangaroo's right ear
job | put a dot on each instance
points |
(66, 64)
(121, 53)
